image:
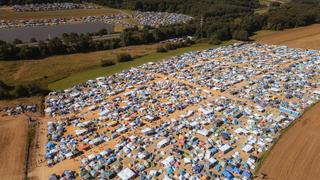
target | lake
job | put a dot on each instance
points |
(44, 32)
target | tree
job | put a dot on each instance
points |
(17, 41)
(33, 40)
(124, 57)
(20, 91)
(107, 62)
(241, 35)
(103, 32)
(162, 49)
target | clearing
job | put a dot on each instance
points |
(304, 37)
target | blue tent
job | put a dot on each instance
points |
(247, 174)
(50, 145)
(227, 174)
(214, 150)
(182, 172)
(170, 170)
(229, 168)
(197, 168)
(237, 170)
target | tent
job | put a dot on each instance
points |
(126, 174)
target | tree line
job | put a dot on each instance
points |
(81, 43)
(215, 21)
(67, 44)
(19, 91)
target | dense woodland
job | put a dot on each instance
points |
(221, 20)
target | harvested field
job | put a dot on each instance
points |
(13, 134)
(305, 37)
(296, 155)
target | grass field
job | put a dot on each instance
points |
(67, 70)
(104, 71)
(7, 13)
(54, 68)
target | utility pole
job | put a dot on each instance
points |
(201, 26)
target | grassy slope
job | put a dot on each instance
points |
(104, 71)
(53, 68)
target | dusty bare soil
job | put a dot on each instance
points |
(305, 37)
(13, 135)
(297, 153)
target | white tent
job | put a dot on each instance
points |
(126, 174)
(163, 143)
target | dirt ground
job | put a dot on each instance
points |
(306, 37)
(13, 134)
(296, 155)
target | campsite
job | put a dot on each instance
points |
(170, 90)
(99, 121)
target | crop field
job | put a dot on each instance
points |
(6, 13)
(304, 37)
(13, 134)
(296, 154)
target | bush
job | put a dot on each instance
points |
(241, 35)
(19, 91)
(33, 40)
(17, 41)
(107, 62)
(124, 57)
(171, 46)
(214, 40)
(162, 49)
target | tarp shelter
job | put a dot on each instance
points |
(126, 174)
(163, 143)
(104, 112)
(247, 148)
(169, 160)
(225, 148)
